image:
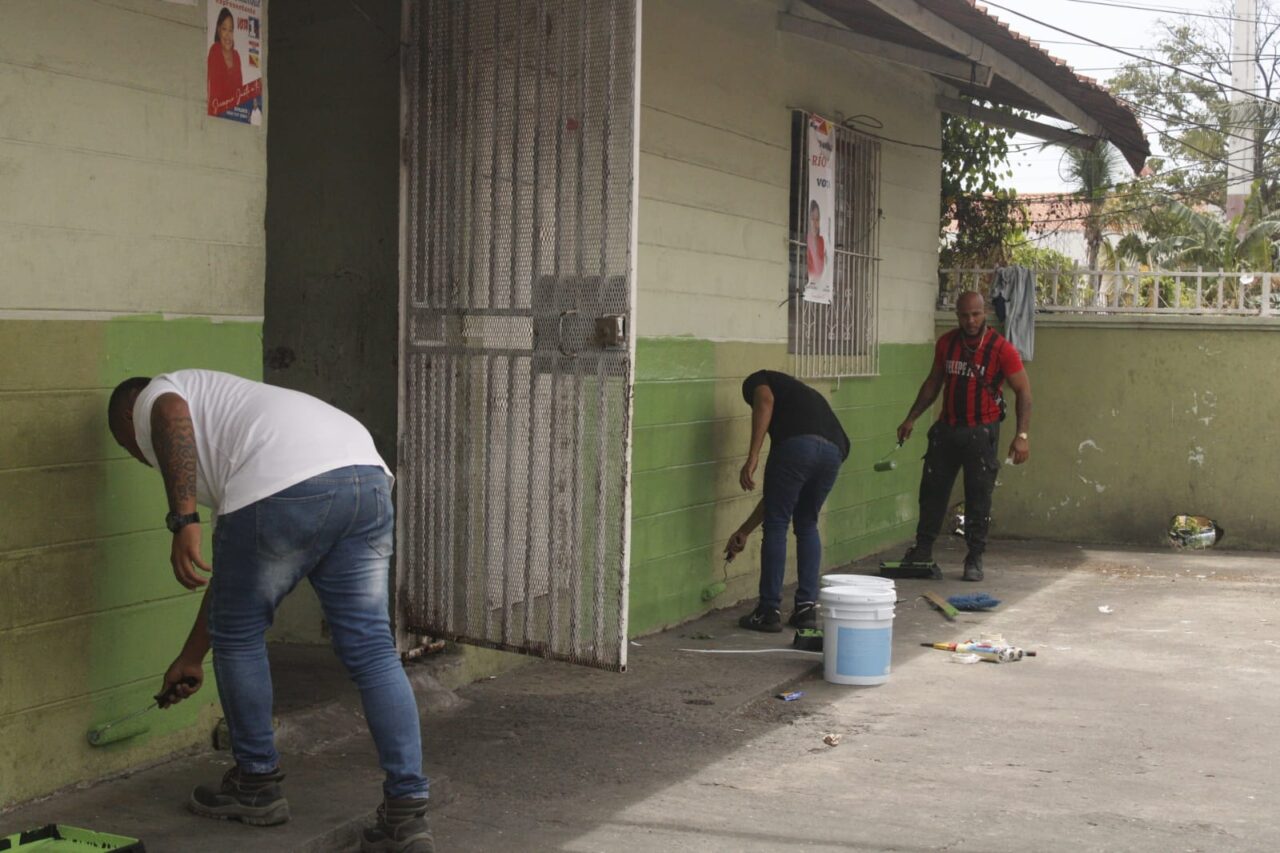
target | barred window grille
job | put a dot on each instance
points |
(840, 339)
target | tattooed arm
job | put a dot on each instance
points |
(174, 439)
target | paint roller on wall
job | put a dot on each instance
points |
(885, 463)
(710, 591)
(713, 590)
(132, 725)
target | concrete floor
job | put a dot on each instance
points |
(1149, 728)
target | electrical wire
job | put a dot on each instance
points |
(1123, 52)
(1171, 11)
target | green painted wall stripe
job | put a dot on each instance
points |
(691, 432)
(1134, 424)
(89, 589)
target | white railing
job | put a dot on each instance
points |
(1136, 291)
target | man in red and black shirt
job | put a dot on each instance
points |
(969, 365)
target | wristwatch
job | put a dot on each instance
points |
(1024, 436)
(176, 522)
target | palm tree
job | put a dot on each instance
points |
(1091, 173)
(1242, 243)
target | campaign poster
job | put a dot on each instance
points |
(234, 81)
(820, 212)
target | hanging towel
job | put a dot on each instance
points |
(1014, 296)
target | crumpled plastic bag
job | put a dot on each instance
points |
(1195, 532)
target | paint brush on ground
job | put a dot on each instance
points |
(942, 605)
(131, 725)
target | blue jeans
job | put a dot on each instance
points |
(797, 479)
(335, 530)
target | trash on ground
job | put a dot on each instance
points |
(1106, 608)
(634, 643)
(427, 647)
(791, 697)
(994, 652)
(832, 739)
(1195, 532)
(974, 601)
(964, 657)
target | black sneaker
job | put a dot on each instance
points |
(804, 616)
(972, 568)
(401, 828)
(253, 798)
(918, 554)
(767, 619)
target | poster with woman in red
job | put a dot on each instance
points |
(234, 61)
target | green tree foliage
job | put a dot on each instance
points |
(1204, 239)
(987, 216)
(1193, 117)
(1091, 174)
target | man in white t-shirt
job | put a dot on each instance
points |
(299, 492)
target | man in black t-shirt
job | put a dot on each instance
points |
(807, 446)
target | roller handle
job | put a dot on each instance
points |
(172, 691)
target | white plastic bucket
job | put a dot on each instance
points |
(856, 580)
(857, 641)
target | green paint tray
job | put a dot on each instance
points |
(59, 838)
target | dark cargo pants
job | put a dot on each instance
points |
(952, 448)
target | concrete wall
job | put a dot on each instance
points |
(332, 223)
(121, 206)
(718, 83)
(1138, 419)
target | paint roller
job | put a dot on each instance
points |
(710, 591)
(132, 725)
(887, 464)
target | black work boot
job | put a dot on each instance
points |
(972, 567)
(401, 828)
(252, 798)
(919, 554)
(767, 619)
(804, 616)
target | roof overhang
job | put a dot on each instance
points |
(977, 56)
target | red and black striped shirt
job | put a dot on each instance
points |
(974, 375)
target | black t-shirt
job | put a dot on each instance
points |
(797, 409)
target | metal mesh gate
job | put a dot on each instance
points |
(517, 293)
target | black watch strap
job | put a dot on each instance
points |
(176, 522)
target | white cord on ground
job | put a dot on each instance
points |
(750, 651)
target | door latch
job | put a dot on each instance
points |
(611, 331)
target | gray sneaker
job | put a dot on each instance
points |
(401, 828)
(253, 798)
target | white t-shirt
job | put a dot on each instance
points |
(252, 440)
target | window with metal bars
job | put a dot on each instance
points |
(840, 339)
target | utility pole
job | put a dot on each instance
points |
(1241, 168)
